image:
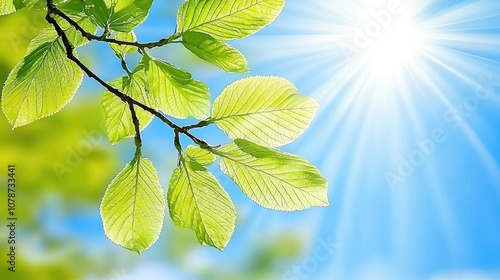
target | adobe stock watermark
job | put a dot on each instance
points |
(75, 154)
(322, 252)
(364, 37)
(454, 118)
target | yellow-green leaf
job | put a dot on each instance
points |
(119, 122)
(273, 179)
(197, 201)
(11, 6)
(265, 110)
(40, 85)
(227, 19)
(118, 15)
(217, 52)
(122, 50)
(49, 34)
(7, 7)
(199, 155)
(177, 93)
(133, 206)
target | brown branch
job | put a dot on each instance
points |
(69, 48)
(91, 37)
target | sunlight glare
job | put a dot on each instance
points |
(394, 50)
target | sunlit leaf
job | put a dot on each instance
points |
(227, 19)
(36, 4)
(69, 7)
(122, 50)
(10, 6)
(197, 201)
(40, 85)
(45, 80)
(7, 7)
(49, 34)
(214, 51)
(133, 206)
(199, 155)
(98, 10)
(272, 178)
(118, 15)
(177, 93)
(265, 110)
(119, 122)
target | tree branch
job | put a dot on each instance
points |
(198, 125)
(91, 37)
(69, 48)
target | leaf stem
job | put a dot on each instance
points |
(124, 65)
(137, 128)
(178, 147)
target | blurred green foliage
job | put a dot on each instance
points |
(17, 30)
(36, 150)
(264, 260)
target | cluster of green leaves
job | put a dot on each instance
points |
(260, 114)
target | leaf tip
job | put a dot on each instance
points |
(16, 124)
(314, 103)
(13, 125)
(139, 252)
(220, 248)
(244, 70)
(326, 203)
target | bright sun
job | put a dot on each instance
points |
(388, 39)
(393, 50)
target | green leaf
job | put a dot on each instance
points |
(98, 10)
(127, 17)
(35, 4)
(227, 19)
(49, 34)
(11, 6)
(122, 50)
(199, 155)
(198, 202)
(265, 110)
(46, 80)
(7, 7)
(177, 93)
(133, 207)
(214, 51)
(119, 122)
(273, 179)
(70, 7)
(118, 15)
(40, 85)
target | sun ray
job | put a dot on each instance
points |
(380, 98)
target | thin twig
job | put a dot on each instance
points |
(91, 37)
(198, 125)
(137, 127)
(52, 10)
(124, 65)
